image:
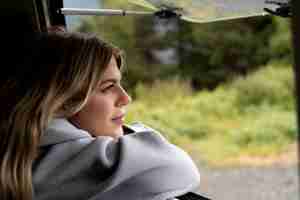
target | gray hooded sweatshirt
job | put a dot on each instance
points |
(141, 165)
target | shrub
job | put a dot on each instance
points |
(251, 115)
(270, 85)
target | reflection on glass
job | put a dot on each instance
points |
(72, 21)
(203, 11)
(198, 11)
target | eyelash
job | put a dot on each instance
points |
(108, 87)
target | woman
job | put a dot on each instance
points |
(62, 131)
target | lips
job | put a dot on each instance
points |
(119, 119)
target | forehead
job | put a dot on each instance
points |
(112, 71)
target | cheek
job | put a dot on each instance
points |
(98, 107)
(94, 116)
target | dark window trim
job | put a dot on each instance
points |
(296, 46)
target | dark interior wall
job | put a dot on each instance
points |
(40, 14)
(20, 11)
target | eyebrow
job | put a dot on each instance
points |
(113, 80)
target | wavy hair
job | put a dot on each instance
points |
(50, 75)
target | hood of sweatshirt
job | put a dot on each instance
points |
(141, 165)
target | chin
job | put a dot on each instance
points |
(118, 133)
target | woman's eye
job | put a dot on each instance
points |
(106, 88)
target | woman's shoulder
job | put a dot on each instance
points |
(60, 130)
(143, 159)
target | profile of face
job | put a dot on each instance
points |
(104, 112)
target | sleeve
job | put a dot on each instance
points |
(139, 166)
(150, 166)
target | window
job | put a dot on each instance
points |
(222, 91)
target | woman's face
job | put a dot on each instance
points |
(104, 112)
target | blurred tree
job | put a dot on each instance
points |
(213, 53)
(280, 41)
(205, 54)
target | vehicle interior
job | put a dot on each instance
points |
(42, 14)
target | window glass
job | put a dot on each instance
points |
(73, 20)
(222, 91)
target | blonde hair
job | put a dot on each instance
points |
(54, 78)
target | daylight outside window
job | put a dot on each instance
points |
(223, 90)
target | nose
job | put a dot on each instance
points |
(124, 98)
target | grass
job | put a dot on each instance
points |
(251, 116)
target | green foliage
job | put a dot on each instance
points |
(254, 115)
(206, 54)
(271, 86)
(269, 127)
(214, 53)
(280, 41)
